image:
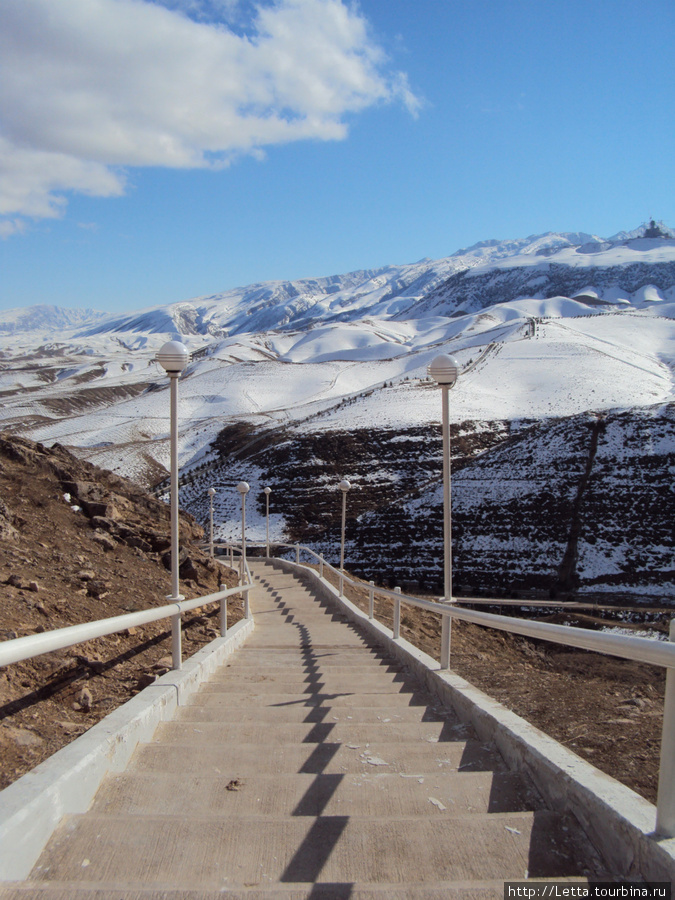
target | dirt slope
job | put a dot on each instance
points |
(78, 544)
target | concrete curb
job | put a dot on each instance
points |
(65, 784)
(619, 821)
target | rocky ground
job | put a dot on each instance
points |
(79, 544)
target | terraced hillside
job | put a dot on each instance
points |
(584, 503)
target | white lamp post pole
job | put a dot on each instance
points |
(212, 493)
(173, 357)
(268, 491)
(243, 489)
(344, 487)
(444, 371)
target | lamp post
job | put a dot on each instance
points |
(267, 492)
(173, 357)
(212, 493)
(344, 487)
(444, 370)
(243, 489)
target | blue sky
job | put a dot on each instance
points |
(159, 151)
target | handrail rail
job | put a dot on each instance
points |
(32, 645)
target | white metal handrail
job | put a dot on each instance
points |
(644, 650)
(32, 645)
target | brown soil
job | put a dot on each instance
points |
(609, 711)
(61, 565)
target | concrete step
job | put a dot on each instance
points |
(244, 699)
(484, 890)
(327, 659)
(212, 852)
(311, 673)
(239, 760)
(308, 673)
(292, 602)
(348, 733)
(435, 794)
(329, 684)
(198, 712)
(301, 681)
(475, 890)
(312, 647)
(308, 629)
(296, 621)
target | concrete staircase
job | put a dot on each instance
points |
(310, 766)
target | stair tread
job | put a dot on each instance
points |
(371, 793)
(314, 733)
(212, 851)
(244, 699)
(122, 890)
(195, 712)
(325, 758)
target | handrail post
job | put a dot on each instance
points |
(297, 554)
(665, 803)
(247, 606)
(176, 640)
(342, 583)
(371, 600)
(397, 614)
(446, 631)
(223, 613)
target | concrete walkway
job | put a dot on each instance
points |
(310, 766)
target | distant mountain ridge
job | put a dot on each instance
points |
(563, 263)
(45, 317)
(401, 291)
(469, 290)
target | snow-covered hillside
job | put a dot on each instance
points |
(546, 327)
(283, 352)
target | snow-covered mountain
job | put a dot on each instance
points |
(547, 327)
(552, 324)
(530, 267)
(45, 318)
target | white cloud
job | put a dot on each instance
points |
(91, 87)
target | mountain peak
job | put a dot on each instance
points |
(651, 229)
